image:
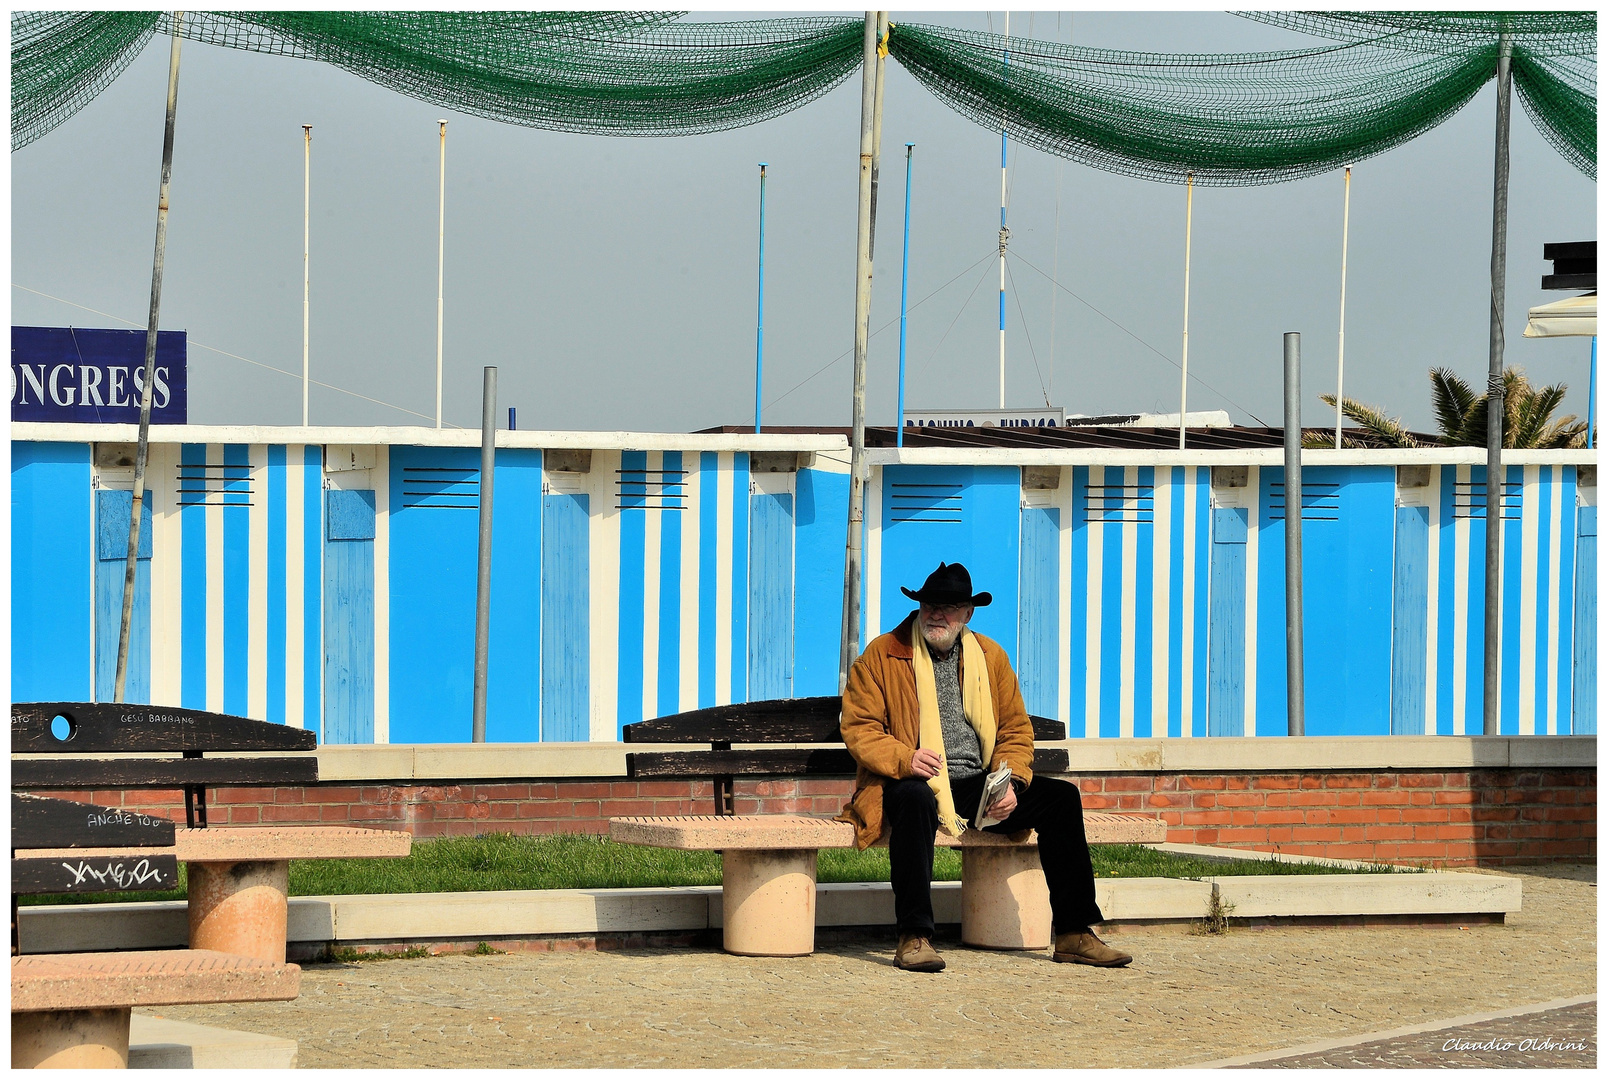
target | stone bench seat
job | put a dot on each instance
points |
(239, 877)
(768, 874)
(72, 1011)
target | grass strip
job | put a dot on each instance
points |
(498, 862)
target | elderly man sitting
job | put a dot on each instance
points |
(929, 710)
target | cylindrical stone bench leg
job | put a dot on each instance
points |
(240, 908)
(768, 902)
(71, 1039)
(1004, 899)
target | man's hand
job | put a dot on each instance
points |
(1005, 804)
(926, 763)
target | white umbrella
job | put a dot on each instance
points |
(1575, 316)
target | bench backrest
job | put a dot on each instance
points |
(38, 823)
(791, 721)
(102, 745)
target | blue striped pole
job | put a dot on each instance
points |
(904, 297)
(1591, 395)
(759, 343)
(1004, 233)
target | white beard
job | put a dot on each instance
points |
(940, 642)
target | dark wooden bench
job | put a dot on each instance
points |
(239, 877)
(785, 725)
(768, 860)
(72, 1011)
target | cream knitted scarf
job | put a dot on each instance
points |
(976, 701)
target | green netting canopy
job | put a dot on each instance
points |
(1224, 119)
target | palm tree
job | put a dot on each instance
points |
(1526, 413)
(1461, 415)
(1378, 431)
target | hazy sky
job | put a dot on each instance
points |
(612, 280)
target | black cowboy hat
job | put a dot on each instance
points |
(949, 584)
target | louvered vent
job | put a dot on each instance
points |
(1116, 504)
(1468, 499)
(650, 489)
(441, 488)
(936, 503)
(1319, 502)
(214, 485)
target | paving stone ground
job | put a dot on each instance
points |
(1564, 1038)
(1187, 999)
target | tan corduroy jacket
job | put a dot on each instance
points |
(881, 723)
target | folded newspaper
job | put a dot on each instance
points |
(993, 788)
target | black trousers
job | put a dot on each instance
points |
(1051, 806)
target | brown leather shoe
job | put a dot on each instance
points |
(1086, 948)
(915, 953)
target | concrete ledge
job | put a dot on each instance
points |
(155, 1043)
(434, 764)
(348, 920)
(1369, 894)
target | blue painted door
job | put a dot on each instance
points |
(1039, 627)
(435, 526)
(1225, 694)
(1348, 524)
(770, 596)
(51, 580)
(349, 617)
(112, 512)
(1585, 625)
(566, 619)
(968, 514)
(1409, 621)
(821, 516)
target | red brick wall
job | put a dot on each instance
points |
(1488, 817)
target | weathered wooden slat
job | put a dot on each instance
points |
(101, 873)
(781, 720)
(811, 719)
(826, 761)
(88, 774)
(106, 727)
(58, 823)
(703, 763)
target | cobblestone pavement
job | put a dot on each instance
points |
(1553, 1039)
(1186, 999)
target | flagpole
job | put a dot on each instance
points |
(849, 641)
(143, 448)
(307, 190)
(759, 334)
(904, 296)
(1494, 395)
(1183, 381)
(441, 267)
(1340, 367)
(1004, 233)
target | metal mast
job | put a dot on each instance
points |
(1004, 233)
(307, 203)
(850, 638)
(441, 266)
(1494, 395)
(759, 332)
(157, 264)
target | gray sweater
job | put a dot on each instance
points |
(963, 752)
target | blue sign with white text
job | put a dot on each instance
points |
(62, 374)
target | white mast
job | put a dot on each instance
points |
(441, 265)
(1340, 376)
(1004, 233)
(1183, 382)
(307, 180)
